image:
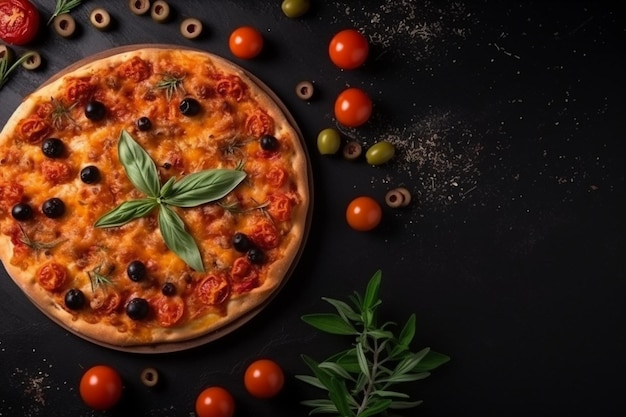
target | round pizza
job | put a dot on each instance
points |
(151, 196)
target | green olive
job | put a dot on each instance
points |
(380, 153)
(295, 8)
(328, 141)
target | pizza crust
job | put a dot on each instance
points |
(239, 309)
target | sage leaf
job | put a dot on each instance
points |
(311, 380)
(329, 323)
(376, 407)
(402, 405)
(431, 361)
(127, 211)
(178, 240)
(339, 395)
(371, 292)
(336, 369)
(203, 187)
(140, 168)
(362, 359)
(323, 376)
(345, 311)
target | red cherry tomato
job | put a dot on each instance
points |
(363, 213)
(215, 402)
(348, 49)
(101, 387)
(19, 21)
(353, 107)
(264, 378)
(245, 42)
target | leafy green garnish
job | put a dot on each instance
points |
(99, 278)
(38, 246)
(190, 191)
(63, 6)
(6, 70)
(61, 112)
(171, 84)
(359, 381)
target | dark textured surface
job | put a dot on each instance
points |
(509, 121)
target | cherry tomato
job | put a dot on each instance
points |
(264, 378)
(363, 213)
(19, 21)
(348, 49)
(245, 42)
(353, 107)
(101, 387)
(215, 402)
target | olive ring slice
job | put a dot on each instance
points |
(33, 62)
(352, 150)
(149, 377)
(191, 28)
(139, 7)
(64, 25)
(305, 90)
(100, 18)
(160, 11)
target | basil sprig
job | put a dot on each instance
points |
(360, 381)
(190, 191)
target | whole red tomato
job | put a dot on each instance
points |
(348, 49)
(19, 21)
(264, 378)
(215, 402)
(101, 387)
(353, 107)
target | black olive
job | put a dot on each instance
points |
(241, 242)
(53, 208)
(94, 110)
(22, 212)
(137, 308)
(256, 256)
(189, 106)
(168, 289)
(53, 148)
(90, 174)
(74, 299)
(136, 271)
(269, 143)
(144, 124)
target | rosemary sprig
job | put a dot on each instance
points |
(171, 84)
(6, 70)
(190, 191)
(61, 112)
(235, 207)
(98, 278)
(63, 6)
(38, 246)
(359, 381)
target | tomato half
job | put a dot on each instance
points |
(353, 107)
(215, 402)
(348, 49)
(364, 213)
(101, 387)
(264, 378)
(19, 21)
(245, 42)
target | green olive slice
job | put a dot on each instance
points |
(406, 195)
(100, 18)
(352, 150)
(139, 7)
(394, 198)
(33, 62)
(160, 11)
(305, 90)
(191, 28)
(6, 53)
(149, 377)
(64, 25)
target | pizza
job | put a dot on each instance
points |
(152, 196)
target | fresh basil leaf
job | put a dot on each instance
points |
(204, 187)
(329, 323)
(166, 190)
(140, 168)
(177, 239)
(127, 211)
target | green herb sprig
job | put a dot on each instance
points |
(190, 191)
(171, 84)
(63, 6)
(6, 69)
(360, 381)
(99, 278)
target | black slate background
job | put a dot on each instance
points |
(512, 256)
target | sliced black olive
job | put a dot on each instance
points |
(189, 106)
(22, 212)
(90, 174)
(241, 242)
(136, 271)
(144, 124)
(74, 299)
(53, 148)
(269, 143)
(256, 256)
(94, 110)
(53, 208)
(137, 308)
(168, 289)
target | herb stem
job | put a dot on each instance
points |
(367, 391)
